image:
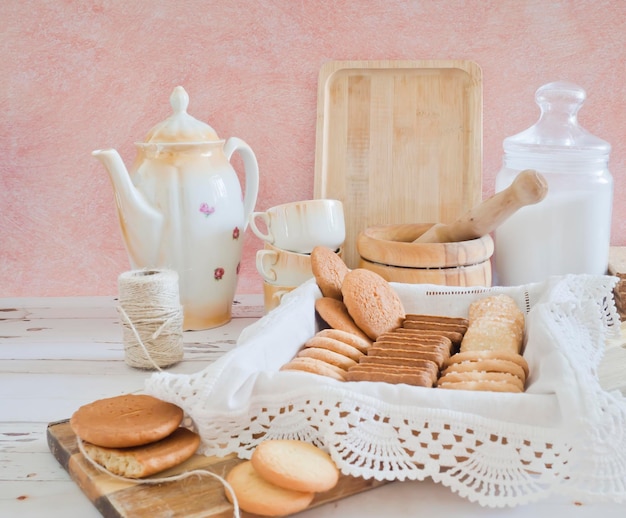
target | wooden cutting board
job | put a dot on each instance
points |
(399, 142)
(198, 497)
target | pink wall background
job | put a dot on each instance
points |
(81, 75)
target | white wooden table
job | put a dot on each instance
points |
(57, 354)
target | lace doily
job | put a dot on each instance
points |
(564, 435)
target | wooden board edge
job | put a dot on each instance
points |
(67, 455)
(59, 452)
(331, 66)
(63, 446)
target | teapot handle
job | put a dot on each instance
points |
(251, 170)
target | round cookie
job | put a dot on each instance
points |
(500, 377)
(295, 465)
(335, 314)
(126, 421)
(362, 344)
(335, 346)
(258, 496)
(489, 355)
(493, 365)
(315, 366)
(329, 270)
(328, 356)
(372, 303)
(143, 461)
(488, 386)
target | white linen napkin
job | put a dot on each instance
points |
(494, 448)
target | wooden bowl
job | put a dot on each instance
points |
(389, 251)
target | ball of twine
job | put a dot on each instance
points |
(152, 318)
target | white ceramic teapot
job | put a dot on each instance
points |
(181, 207)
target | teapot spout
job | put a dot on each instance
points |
(141, 224)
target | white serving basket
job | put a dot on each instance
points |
(565, 434)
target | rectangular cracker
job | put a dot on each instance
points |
(419, 379)
(438, 357)
(416, 363)
(438, 318)
(433, 326)
(416, 338)
(453, 336)
(443, 349)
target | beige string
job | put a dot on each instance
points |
(173, 478)
(152, 318)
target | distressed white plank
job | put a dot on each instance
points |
(50, 341)
(23, 437)
(31, 467)
(244, 305)
(51, 397)
(52, 351)
(25, 456)
(103, 368)
(102, 330)
(60, 498)
(58, 330)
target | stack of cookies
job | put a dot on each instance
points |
(490, 352)
(356, 308)
(331, 352)
(282, 477)
(134, 436)
(357, 301)
(371, 338)
(453, 328)
(414, 353)
(364, 339)
(497, 371)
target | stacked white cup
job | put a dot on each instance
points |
(292, 231)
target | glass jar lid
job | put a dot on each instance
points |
(557, 131)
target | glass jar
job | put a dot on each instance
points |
(569, 230)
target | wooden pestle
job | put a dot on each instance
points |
(528, 188)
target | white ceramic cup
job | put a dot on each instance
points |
(300, 226)
(273, 294)
(282, 267)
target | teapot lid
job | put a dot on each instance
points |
(180, 126)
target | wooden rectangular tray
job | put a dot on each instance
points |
(399, 142)
(200, 497)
